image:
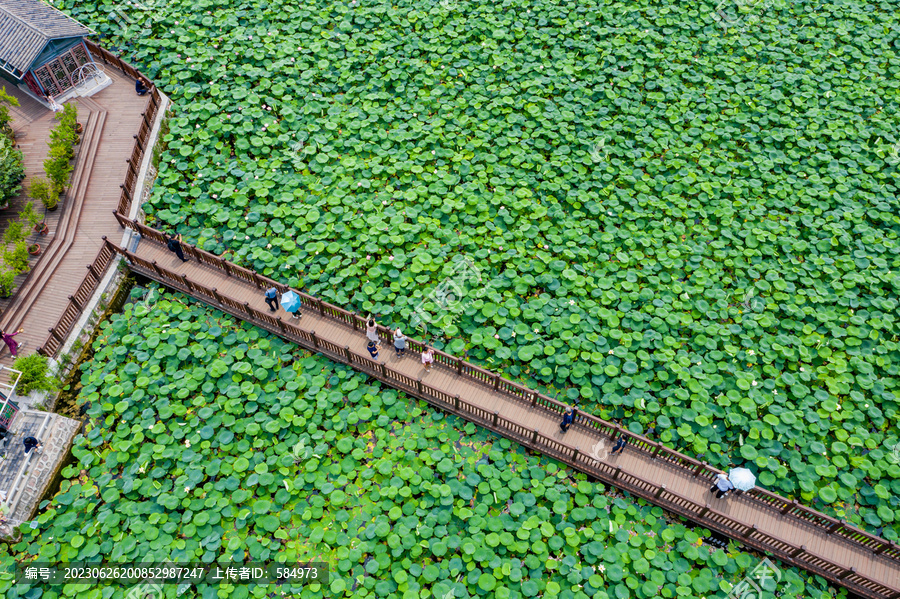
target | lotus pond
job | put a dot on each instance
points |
(689, 220)
(211, 440)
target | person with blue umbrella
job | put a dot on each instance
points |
(290, 301)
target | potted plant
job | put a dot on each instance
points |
(42, 191)
(31, 216)
(34, 249)
(17, 257)
(7, 281)
(15, 232)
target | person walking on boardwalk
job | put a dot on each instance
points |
(619, 447)
(399, 342)
(11, 343)
(721, 486)
(174, 245)
(427, 358)
(568, 419)
(373, 350)
(371, 329)
(272, 299)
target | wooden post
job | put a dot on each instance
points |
(259, 282)
(384, 371)
(316, 339)
(575, 454)
(459, 366)
(224, 265)
(704, 511)
(496, 381)
(496, 414)
(248, 309)
(456, 406)
(41, 351)
(355, 321)
(137, 142)
(618, 472)
(321, 307)
(216, 295)
(698, 469)
(77, 305)
(187, 283)
(533, 436)
(750, 530)
(534, 398)
(798, 551)
(55, 335)
(656, 449)
(789, 507)
(281, 325)
(346, 350)
(847, 573)
(419, 385)
(93, 274)
(660, 491)
(157, 269)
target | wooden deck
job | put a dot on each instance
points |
(864, 563)
(110, 118)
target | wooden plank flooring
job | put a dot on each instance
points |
(742, 508)
(90, 213)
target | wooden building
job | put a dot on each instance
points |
(42, 48)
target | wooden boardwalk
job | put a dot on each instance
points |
(864, 563)
(110, 118)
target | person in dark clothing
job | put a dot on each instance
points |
(272, 298)
(174, 245)
(373, 350)
(141, 86)
(568, 419)
(619, 447)
(31, 443)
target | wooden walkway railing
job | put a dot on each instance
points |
(79, 301)
(840, 552)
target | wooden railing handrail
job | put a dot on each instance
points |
(639, 442)
(656, 493)
(78, 301)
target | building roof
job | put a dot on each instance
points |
(25, 28)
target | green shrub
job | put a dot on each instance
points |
(5, 119)
(7, 281)
(41, 190)
(34, 374)
(58, 167)
(29, 215)
(17, 257)
(12, 168)
(14, 232)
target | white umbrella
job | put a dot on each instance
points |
(742, 479)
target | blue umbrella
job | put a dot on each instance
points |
(290, 301)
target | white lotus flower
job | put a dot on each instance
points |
(754, 383)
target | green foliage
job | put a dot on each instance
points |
(15, 231)
(12, 170)
(189, 455)
(6, 101)
(41, 190)
(16, 257)
(35, 376)
(700, 221)
(29, 214)
(58, 165)
(7, 280)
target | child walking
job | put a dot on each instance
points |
(427, 358)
